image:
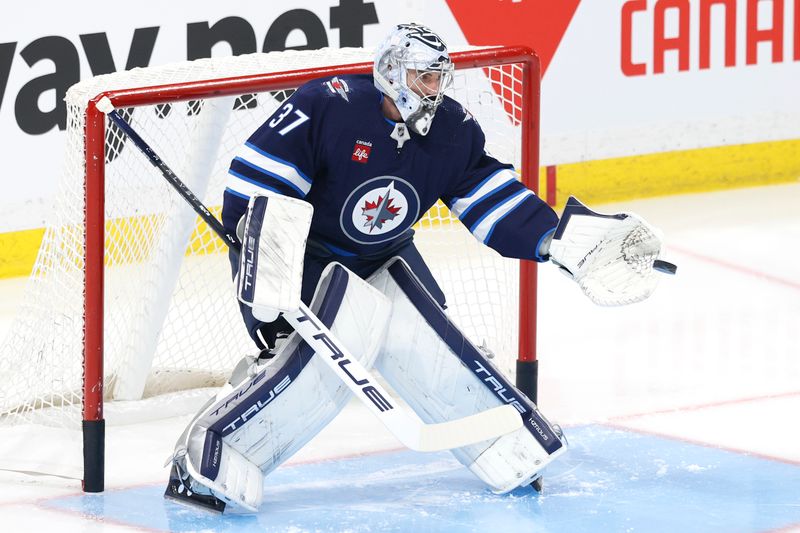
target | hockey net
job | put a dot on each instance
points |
(160, 320)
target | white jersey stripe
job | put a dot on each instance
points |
(483, 228)
(276, 177)
(277, 159)
(499, 179)
(246, 187)
(274, 166)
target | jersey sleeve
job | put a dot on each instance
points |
(497, 208)
(278, 157)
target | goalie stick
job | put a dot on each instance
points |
(401, 422)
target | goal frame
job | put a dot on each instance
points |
(94, 212)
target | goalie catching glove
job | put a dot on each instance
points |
(613, 258)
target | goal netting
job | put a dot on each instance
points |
(169, 324)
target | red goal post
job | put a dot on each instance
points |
(527, 113)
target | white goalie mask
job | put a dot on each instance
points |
(413, 60)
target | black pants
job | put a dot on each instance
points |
(317, 257)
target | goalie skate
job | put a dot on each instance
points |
(181, 489)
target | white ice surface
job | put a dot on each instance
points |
(712, 357)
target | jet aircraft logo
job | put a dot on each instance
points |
(382, 211)
(379, 210)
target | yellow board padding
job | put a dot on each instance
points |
(679, 172)
(121, 231)
(18, 251)
(20, 248)
(593, 182)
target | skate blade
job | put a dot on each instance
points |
(205, 502)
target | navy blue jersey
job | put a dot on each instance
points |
(330, 145)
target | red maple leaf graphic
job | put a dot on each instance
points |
(373, 209)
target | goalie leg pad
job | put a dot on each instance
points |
(442, 376)
(264, 420)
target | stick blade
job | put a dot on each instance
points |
(486, 425)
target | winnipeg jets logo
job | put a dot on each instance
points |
(379, 210)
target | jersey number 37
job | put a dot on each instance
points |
(285, 111)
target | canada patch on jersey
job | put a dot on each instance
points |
(379, 210)
(361, 151)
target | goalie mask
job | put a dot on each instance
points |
(413, 61)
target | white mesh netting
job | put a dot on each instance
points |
(171, 319)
